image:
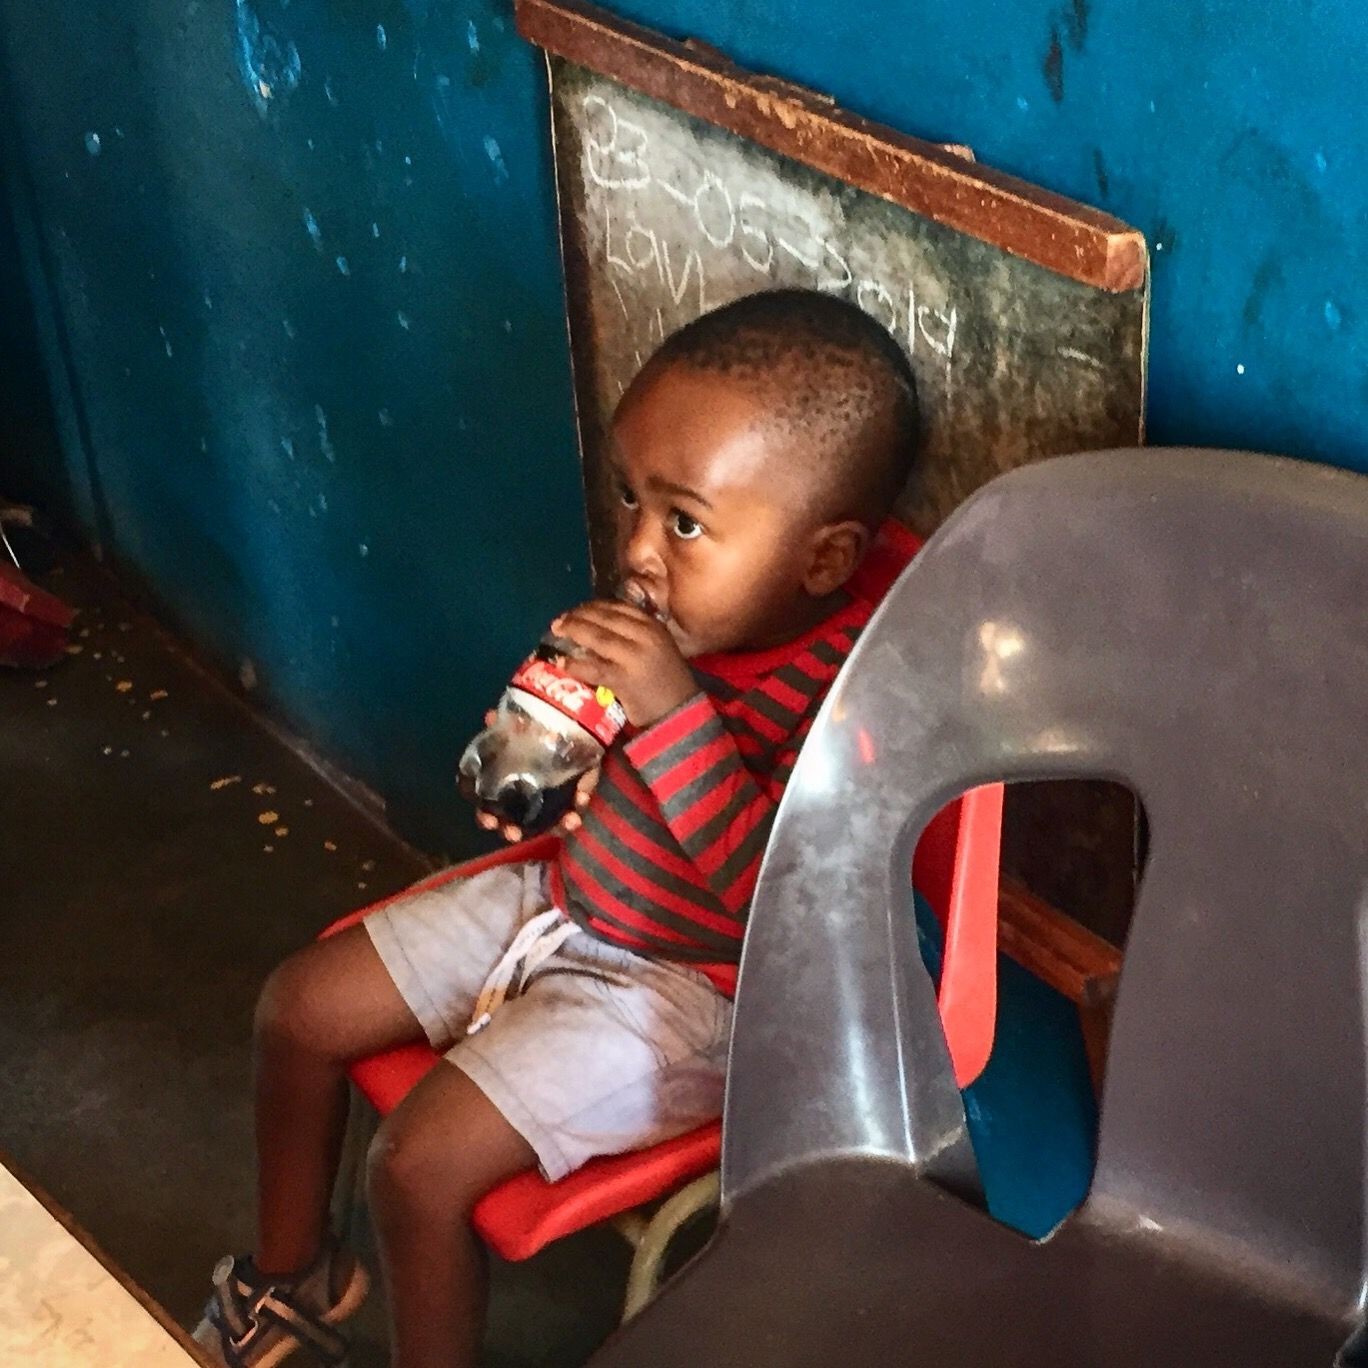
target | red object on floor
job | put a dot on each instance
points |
(33, 623)
(956, 870)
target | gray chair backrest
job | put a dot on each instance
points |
(1193, 624)
(1189, 623)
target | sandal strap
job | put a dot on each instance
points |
(245, 1309)
(228, 1306)
(329, 1346)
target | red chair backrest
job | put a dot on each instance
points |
(961, 884)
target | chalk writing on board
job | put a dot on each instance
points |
(664, 215)
(650, 244)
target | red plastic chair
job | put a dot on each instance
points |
(956, 869)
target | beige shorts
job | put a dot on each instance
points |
(601, 1051)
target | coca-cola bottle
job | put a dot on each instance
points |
(547, 731)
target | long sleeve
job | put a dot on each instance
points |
(668, 852)
(715, 807)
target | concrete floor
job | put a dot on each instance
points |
(144, 895)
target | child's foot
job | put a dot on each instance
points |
(254, 1322)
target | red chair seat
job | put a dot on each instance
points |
(525, 1213)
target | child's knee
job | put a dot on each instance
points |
(295, 1006)
(409, 1165)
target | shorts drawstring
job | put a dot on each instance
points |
(538, 940)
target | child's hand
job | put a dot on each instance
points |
(631, 653)
(584, 790)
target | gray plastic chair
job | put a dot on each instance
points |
(1191, 623)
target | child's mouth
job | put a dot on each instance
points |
(629, 591)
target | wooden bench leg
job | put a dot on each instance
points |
(1095, 1022)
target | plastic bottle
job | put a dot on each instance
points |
(548, 730)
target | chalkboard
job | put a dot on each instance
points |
(664, 215)
(685, 182)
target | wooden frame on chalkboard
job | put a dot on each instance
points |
(928, 178)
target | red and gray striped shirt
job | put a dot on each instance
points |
(666, 860)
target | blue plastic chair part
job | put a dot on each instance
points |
(1031, 1113)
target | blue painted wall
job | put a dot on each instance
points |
(1230, 133)
(301, 263)
(30, 464)
(303, 260)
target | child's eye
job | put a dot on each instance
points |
(625, 496)
(684, 526)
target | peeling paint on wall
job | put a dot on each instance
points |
(495, 154)
(267, 60)
(324, 441)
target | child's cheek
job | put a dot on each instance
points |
(680, 634)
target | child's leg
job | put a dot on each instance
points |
(325, 1006)
(434, 1157)
(602, 1052)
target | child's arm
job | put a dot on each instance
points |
(717, 809)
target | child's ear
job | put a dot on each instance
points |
(836, 551)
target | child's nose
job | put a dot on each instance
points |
(641, 554)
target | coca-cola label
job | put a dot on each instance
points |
(595, 709)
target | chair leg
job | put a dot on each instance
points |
(349, 1190)
(653, 1242)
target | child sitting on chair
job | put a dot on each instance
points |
(755, 457)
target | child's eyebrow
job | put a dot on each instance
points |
(679, 491)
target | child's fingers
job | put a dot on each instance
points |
(591, 634)
(605, 609)
(614, 619)
(584, 789)
(609, 610)
(589, 668)
(491, 823)
(489, 717)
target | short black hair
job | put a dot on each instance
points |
(840, 389)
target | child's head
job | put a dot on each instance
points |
(754, 455)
